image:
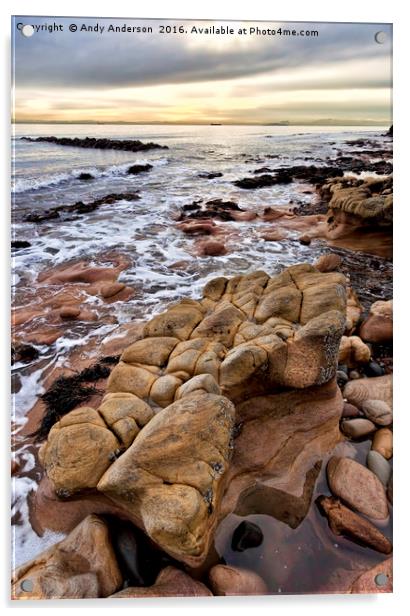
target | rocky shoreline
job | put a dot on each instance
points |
(269, 395)
(126, 145)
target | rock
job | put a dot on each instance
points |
(353, 351)
(136, 169)
(353, 375)
(21, 352)
(378, 412)
(273, 236)
(341, 377)
(383, 443)
(379, 466)
(378, 327)
(176, 496)
(349, 410)
(343, 521)
(377, 388)
(265, 345)
(171, 582)
(328, 263)
(70, 312)
(210, 176)
(373, 369)
(70, 457)
(81, 566)
(358, 487)
(367, 582)
(109, 290)
(305, 240)
(353, 310)
(226, 581)
(127, 145)
(213, 249)
(246, 535)
(357, 428)
(18, 244)
(84, 176)
(310, 173)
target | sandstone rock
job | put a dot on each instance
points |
(77, 451)
(353, 311)
(377, 388)
(171, 582)
(349, 410)
(358, 487)
(109, 290)
(383, 443)
(357, 428)
(379, 466)
(69, 312)
(213, 249)
(378, 412)
(367, 582)
(353, 351)
(226, 580)
(343, 521)
(390, 489)
(378, 327)
(81, 566)
(328, 263)
(176, 495)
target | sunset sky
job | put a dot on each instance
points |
(342, 76)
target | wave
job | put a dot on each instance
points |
(22, 185)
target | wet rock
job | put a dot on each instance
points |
(66, 211)
(309, 173)
(353, 351)
(215, 209)
(230, 581)
(273, 236)
(383, 443)
(109, 290)
(378, 412)
(367, 582)
(377, 388)
(379, 466)
(126, 145)
(343, 521)
(21, 352)
(373, 369)
(210, 176)
(171, 582)
(136, 169)
(378, 327)
(81, 566)
(328, 263)
(246, 535)
(305, 240)
(193, 227)
(357, 428)
(213, 249)
(70, 312)
(18, 244)
(389, 491)
(353, 375)
(349, 410)
(341, 377)
(84, 176)
(358, 487)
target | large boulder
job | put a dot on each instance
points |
(81, 566)
(163, 446)
(171, 582)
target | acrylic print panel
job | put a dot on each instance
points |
(202, 314)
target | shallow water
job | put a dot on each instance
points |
(162, 269)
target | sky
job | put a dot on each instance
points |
(340, 76)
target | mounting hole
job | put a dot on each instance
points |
(381, 579)
(27, 585)
(380, 37)
(27, 30)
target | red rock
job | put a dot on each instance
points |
(273, 236)
(108, 290)
(171, 582)
(70, 312)
(226, 580)
(349, 410)
(328, 263)
(198, 228)
(366, 582)
(213, 249)
(378, 327)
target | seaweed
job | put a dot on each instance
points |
(67, 392)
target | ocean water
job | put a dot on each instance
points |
(46, 175)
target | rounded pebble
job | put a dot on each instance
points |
(379, 466)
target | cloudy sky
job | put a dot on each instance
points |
(341, 76)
